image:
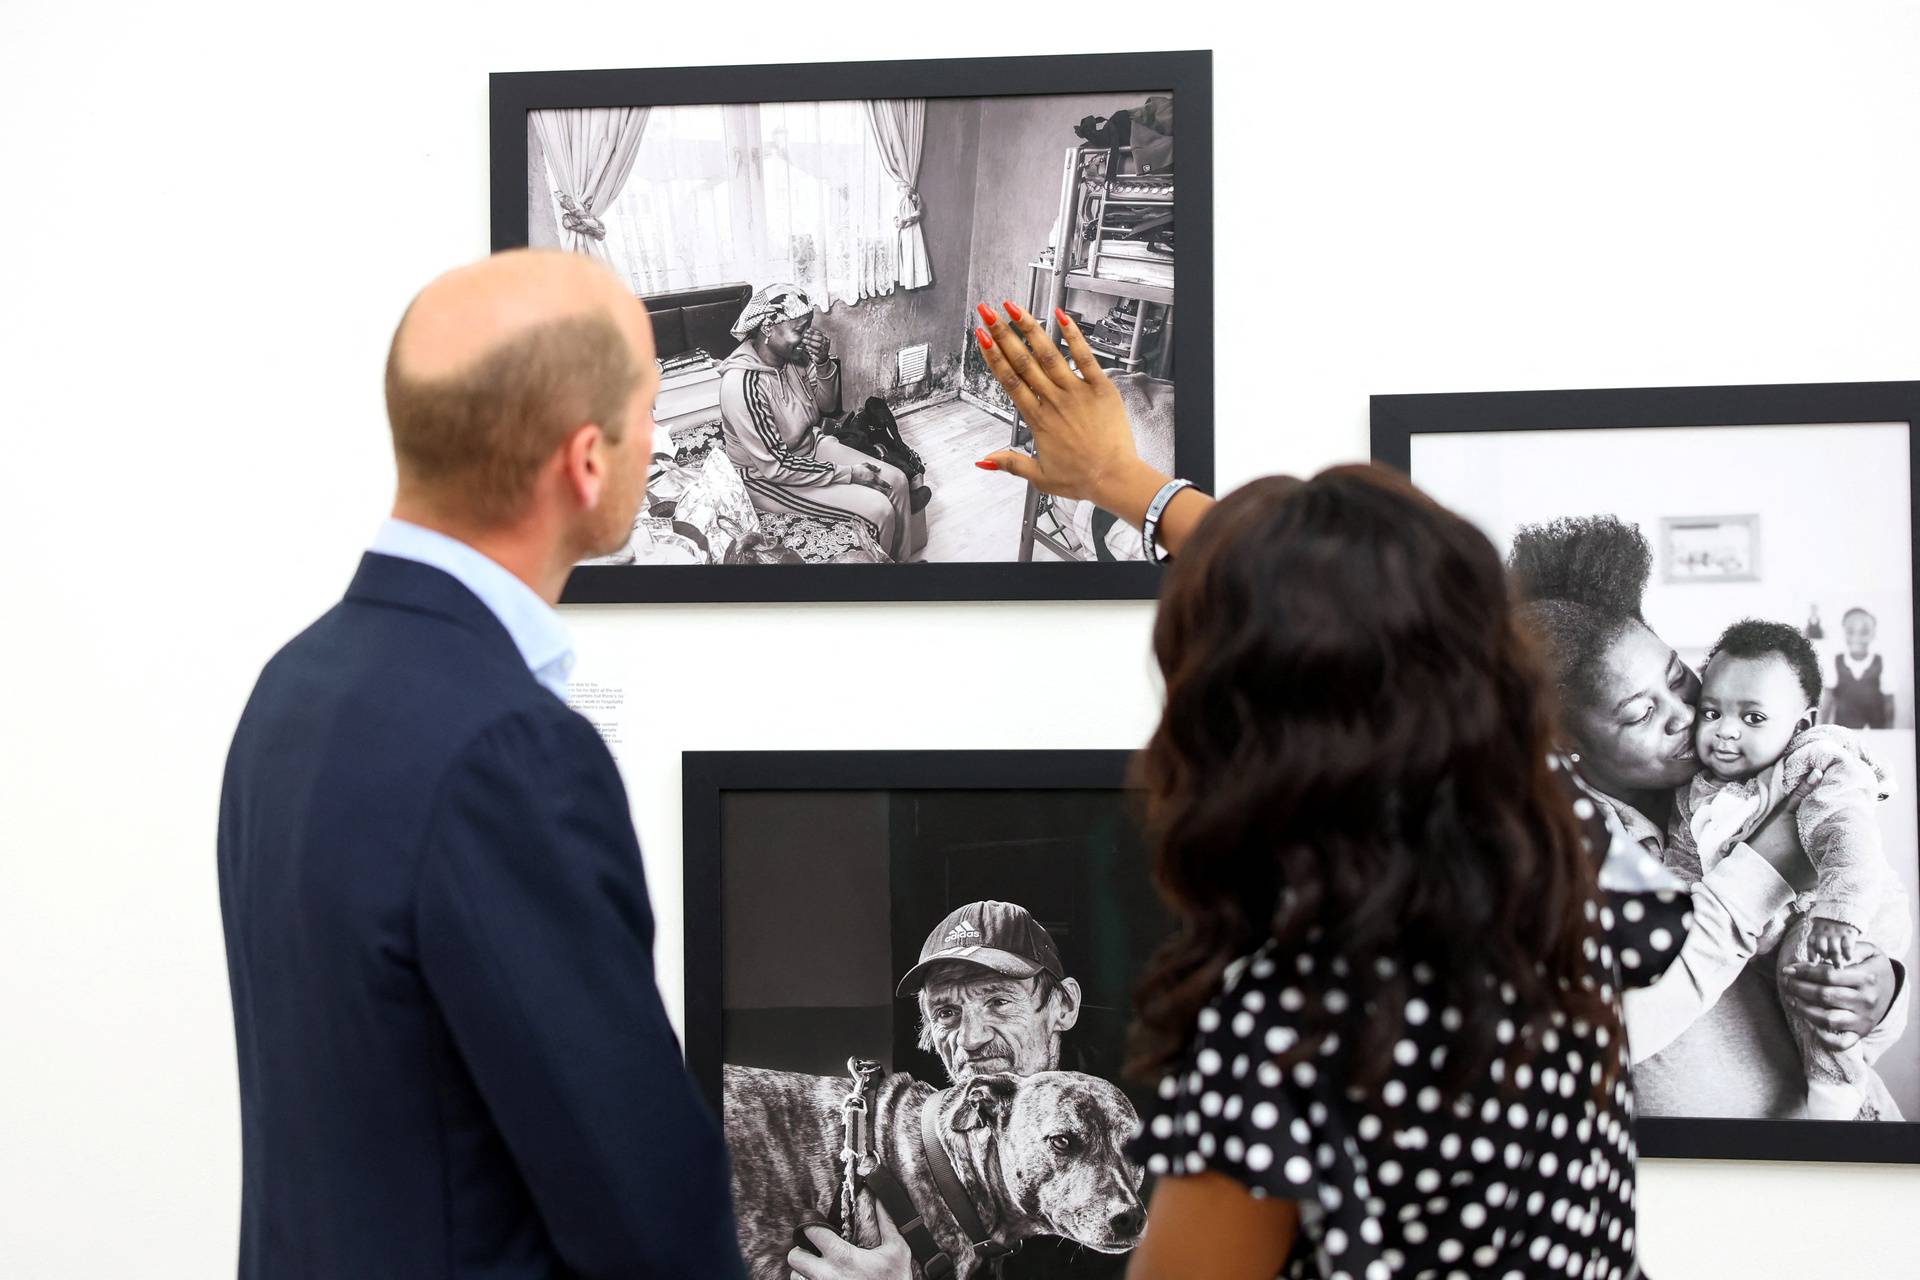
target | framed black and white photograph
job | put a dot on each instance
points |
(811, 241)
(1710, 548)
(1705, 662)
(970, 924)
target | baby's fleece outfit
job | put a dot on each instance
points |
(1841, 834)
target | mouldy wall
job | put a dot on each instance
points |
(1023, 143)
(869, 336)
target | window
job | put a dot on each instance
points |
(760, 192)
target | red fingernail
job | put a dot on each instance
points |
(986, 314)
(1013, 312)
(1066, 321)
(987, 464)
(985, 341)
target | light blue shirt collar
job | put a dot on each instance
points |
(535, 627)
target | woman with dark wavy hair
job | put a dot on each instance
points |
(1386, 1032)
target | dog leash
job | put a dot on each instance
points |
(863, 1168)
(935, 1264)
(856, 1142)
(947, 1183)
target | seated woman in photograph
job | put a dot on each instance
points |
(1388, 1030)
(1386, 1034)
(1712, 1039)
(775, 392)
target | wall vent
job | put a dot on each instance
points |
(913, 365)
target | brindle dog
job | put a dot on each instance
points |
(1039, 1155)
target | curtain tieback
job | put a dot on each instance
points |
(909, 210)
(578, 220)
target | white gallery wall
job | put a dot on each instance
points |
(213, 215)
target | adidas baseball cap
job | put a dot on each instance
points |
(994, 935)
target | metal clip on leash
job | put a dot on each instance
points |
(863, 1169)
(856, 1143)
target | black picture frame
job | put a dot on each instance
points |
(707, 776)
(1187, 74)
(1394, 422)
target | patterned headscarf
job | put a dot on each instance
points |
(773, 304)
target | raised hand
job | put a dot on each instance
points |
(1082, 440)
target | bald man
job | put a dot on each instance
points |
(453, 1057)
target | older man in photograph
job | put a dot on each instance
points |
(776, 391)
(992, 992)
(993, 997)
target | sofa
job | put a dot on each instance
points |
(703, 318)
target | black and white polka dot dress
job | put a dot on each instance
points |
(1538, 1181)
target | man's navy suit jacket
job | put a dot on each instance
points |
(454, 1061)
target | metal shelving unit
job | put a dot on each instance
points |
(1085, 198)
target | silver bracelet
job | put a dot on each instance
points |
(1150, 527)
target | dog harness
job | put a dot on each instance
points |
(863, 1168)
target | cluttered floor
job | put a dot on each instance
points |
(974, 514)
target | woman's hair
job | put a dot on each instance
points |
(1581, 581)
(1353, 760)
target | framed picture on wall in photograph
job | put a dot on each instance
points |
(958, 920)
(1710, 548)
(1701, 682)
(811, 241)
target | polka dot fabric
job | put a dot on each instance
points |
(1535, 1181)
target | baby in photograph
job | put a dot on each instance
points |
(1758, 737)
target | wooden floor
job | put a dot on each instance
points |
(975, 514)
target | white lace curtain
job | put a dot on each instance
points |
(899, 129)
(769, 192)
(590, 152)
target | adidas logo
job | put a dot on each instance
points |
(961, 934)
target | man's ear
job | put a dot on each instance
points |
(986, 1102)
(1066, 1005)
(583, 463)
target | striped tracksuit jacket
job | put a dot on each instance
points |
(771, 418)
